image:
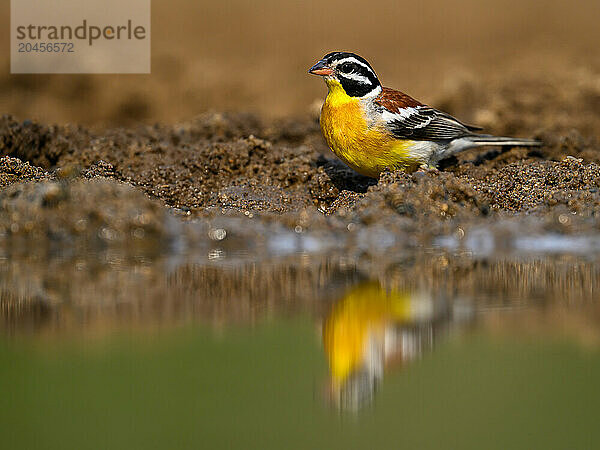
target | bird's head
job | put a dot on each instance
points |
(350, 71)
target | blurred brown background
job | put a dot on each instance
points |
(253, 56)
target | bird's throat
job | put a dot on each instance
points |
(337, 96)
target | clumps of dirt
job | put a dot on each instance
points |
(430, 194)
(282, 171)
(257, 197)
(40, 145)
(527, 185)
(100, 169)
(217, 160)
(422, 203)
(565, 195)
(93, 213)
(13, 170)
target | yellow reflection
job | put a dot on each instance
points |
(370, 329)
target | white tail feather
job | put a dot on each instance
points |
(464, 143)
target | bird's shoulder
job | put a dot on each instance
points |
(394, 101)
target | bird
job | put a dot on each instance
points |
(372, 128)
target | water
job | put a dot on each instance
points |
(446, 347)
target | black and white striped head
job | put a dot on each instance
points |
(353, 72)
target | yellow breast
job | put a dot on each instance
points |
(366, 147)
(361, 315)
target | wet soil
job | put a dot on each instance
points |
(280, 171)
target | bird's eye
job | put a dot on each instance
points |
(345, 68)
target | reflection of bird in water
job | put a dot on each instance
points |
(370, 329)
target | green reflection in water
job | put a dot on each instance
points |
(261, 388)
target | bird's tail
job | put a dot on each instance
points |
(479, 140)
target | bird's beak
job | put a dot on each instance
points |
(321, 68)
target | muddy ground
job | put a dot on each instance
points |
(81, 180)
